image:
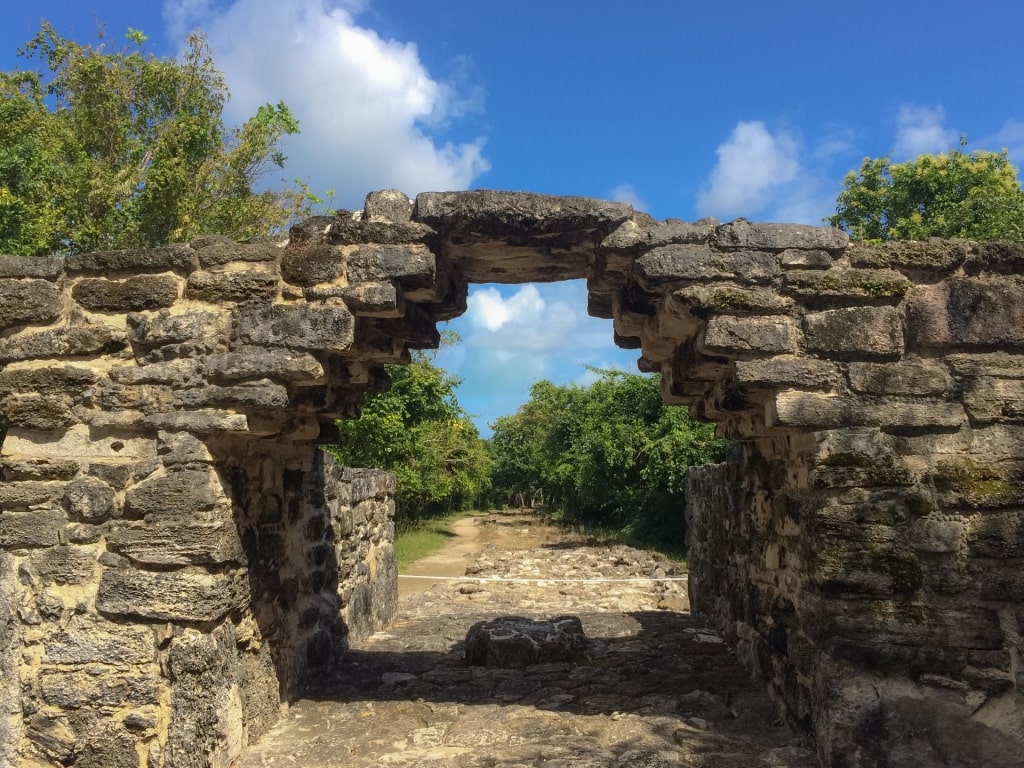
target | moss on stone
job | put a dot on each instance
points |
(980, 483)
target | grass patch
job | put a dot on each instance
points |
(416, 539)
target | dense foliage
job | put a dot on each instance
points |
(972, 195)
(104, 149)
(611, 454)
(418, 430)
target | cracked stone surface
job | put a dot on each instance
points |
(656, 687)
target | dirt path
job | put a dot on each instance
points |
(655, 689)
(471, 535)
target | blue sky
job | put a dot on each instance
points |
(683, 108)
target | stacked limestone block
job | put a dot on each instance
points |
(161, 483)
(867, 556)
(159, 411)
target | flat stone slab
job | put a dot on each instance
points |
(514, 642)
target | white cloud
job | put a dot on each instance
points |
(920, 131)
(626, 193)
(489, 310)
(1011, 138)
(536, 332)
(367, 106)
(752, 165)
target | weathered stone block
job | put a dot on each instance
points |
(257, 394)
(1000, 364)
(309, 264)
(931, 254)
(129, 295)
(42, 413)
(177, 544)
(882, 571)
(497, 214)
(639, 233)
(28, 493)
(515, 642)
(901, 622)
(759, 335)
(907, 377)
(181, 448)
(747, 234)
(929, 535)
(729, 298)
(683, 263)
(809, 409)
(175, 373)
(990, 399)
(855, 332)
(53, 737)
(62, 565)
(997, 534)
(369, 299)
(14, 468)
(388, 205)
(786, 371)
(92, 640)
(214, 250)
(36, 528)
(979, 482)
(165, 328)
(1001, 580)
(89, 499)
(201, 422)
(409, 266)
(185, 493)
(98, 687)
(162, 259)
(48, 267)
(815, 286)
(985, 312)
(258, 362)
(296, 326)
(188, 594)
(28, 302)
(807, 259)
(69, 379)
(77, 340)
(205, 725)
(233, 285)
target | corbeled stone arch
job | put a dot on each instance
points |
(165, 510)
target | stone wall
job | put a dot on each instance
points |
(172, 541)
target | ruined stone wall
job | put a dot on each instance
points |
(175, 563)
(172, 541)
(863, 544)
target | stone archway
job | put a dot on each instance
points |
(177, 554)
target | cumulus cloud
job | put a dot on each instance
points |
(513, 337)
(368, 109)
(626, 193)
(524, 321)
(1011, 138)
(488, 309)
(752, 165)
(920, 131)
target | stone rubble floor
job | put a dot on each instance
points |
(657, 689)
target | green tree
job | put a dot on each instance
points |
(418, 430)
(611, 454)
(105, 149)
(973, 195)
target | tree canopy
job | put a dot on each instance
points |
(418, 430)
(103, 148)
(611, 454)
(973, 195)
